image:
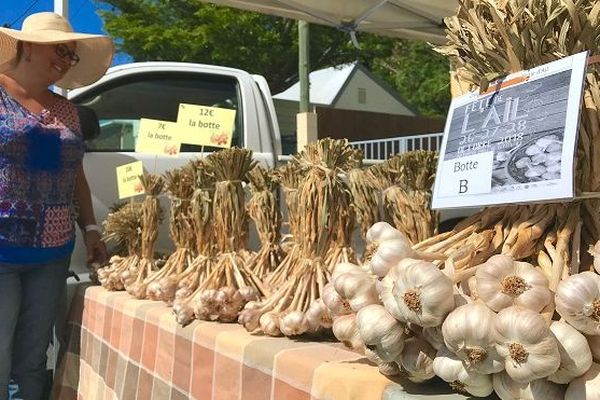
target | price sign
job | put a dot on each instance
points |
(514, 143)
(128, 179)
(206, 126)
(158, 137)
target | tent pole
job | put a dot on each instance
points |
(304, 65)
(61, 7)
(306, 121)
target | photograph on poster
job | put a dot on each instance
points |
(538, 159)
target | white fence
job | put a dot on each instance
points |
(382, 149)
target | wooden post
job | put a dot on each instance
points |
(306, 121)
(306, 129)
(304, 65)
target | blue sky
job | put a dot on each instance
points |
(82, 15)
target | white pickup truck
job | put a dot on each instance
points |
(154, 90)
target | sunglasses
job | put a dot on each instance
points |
(63, 51)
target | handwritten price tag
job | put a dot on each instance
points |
(206, 126)
(158, 137)
(128, 179)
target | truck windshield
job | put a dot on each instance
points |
(121, 103)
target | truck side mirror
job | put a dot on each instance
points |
(88, 119)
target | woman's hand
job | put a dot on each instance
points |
(95, 247)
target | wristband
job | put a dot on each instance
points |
(92, 227)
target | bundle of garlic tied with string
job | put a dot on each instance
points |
(162, 284)
(201, 212)
(321, 228)
(135, 276)
(231, 284)
(263, 208)
(123, 226)
(365, 199)
(405, 183)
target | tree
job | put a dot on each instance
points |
(193, 31)
(419, 74)
(189, 30)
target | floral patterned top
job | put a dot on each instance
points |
(39, 157)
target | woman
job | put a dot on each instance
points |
(41, 177)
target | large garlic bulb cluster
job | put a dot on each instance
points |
(586, 387)
(380, 332)
(417, 359)
(386, 246)
(346, 331)
(578, 301)
(418, 292)
(356, 288)
(451, 369)
(575, 353)
(502, 282)
(468, 333)
(541, 389)
(526, 344)
(490, 332)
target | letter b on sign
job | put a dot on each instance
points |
(463, 186)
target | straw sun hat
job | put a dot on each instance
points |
(95, 51)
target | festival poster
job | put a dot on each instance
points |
(516, 142)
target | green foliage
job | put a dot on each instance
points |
(419, 74)
(193, 31)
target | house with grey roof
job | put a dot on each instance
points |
(349, 87)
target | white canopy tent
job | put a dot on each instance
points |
(411, 19)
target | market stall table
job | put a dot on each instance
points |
(122, 348)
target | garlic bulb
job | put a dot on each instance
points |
(345, 330)
(381, 231)
(387, 246)
(468, 332)
(594, 343)
(586, 387)
(344, 267)
(385, 368)
(333, 301)
(293, 323)
(318, 316)
(269, 324)
(358, 289)
(380, 332)
(433, 336)
(540, 389)
(502, 282)
(388, 368)
(451, 369)
(575, 353)
(417, 359)
(523, 339)
(389, 253)
(472, 285)
(578, 301)
(419, 293)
